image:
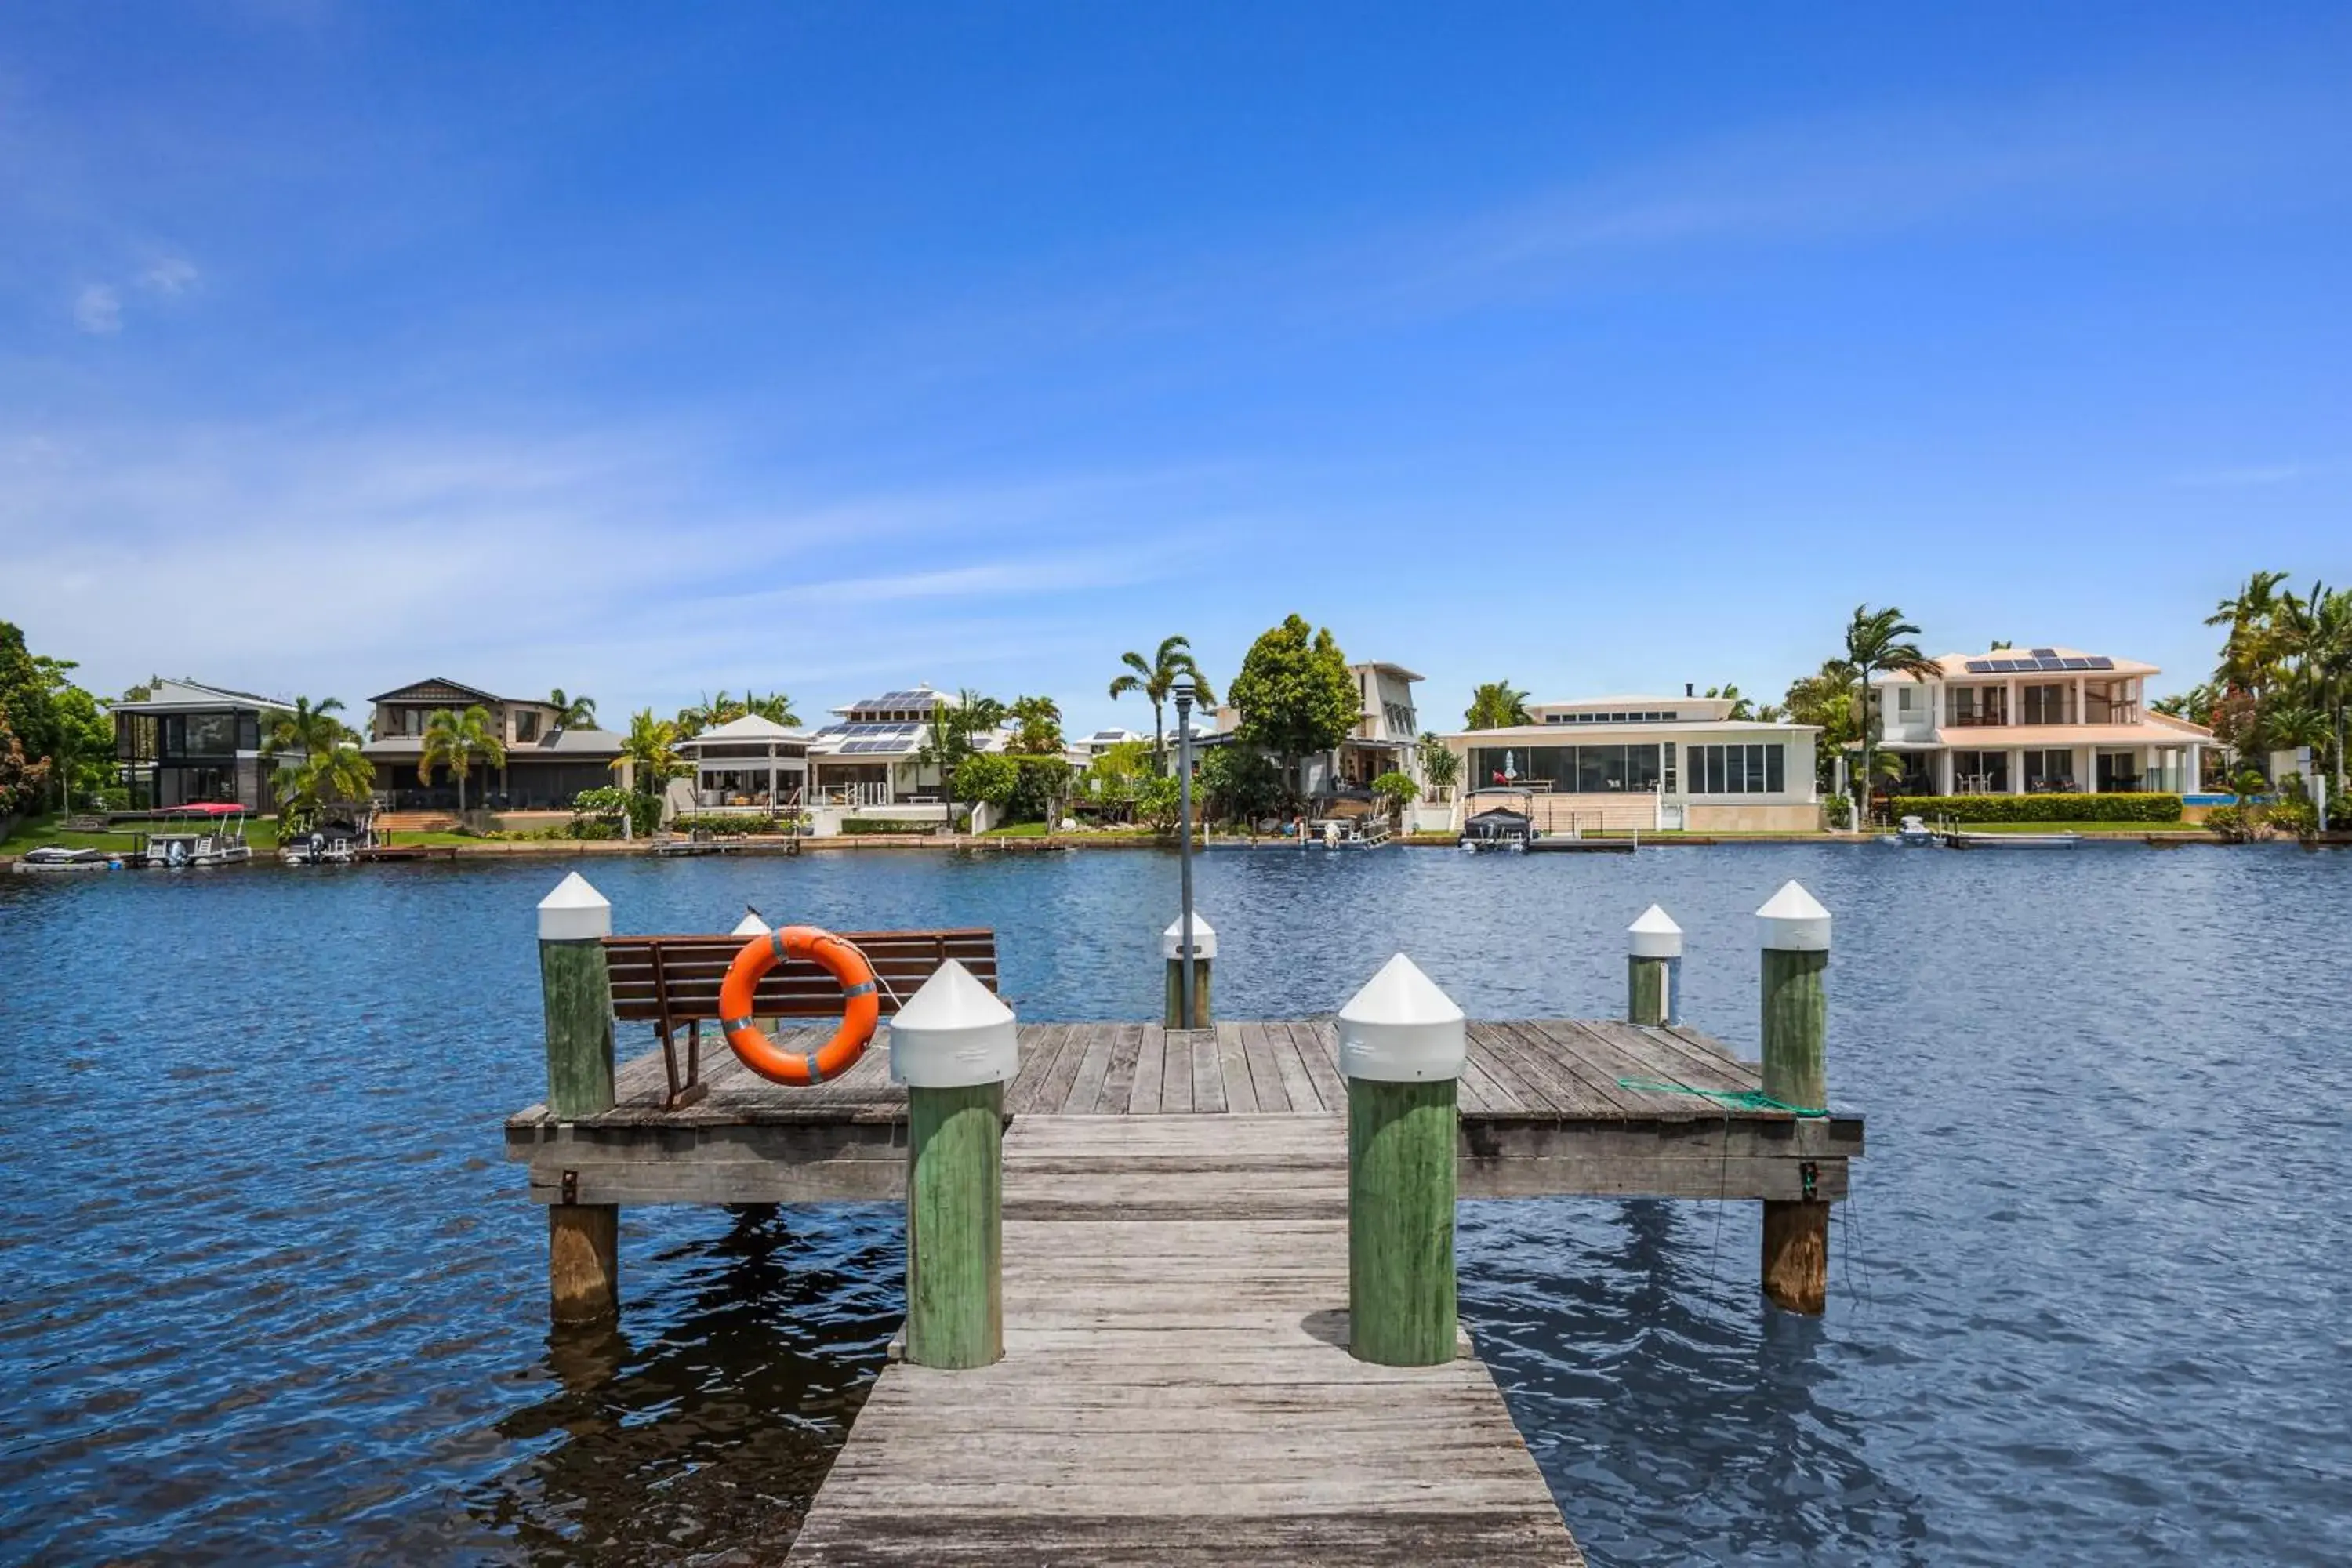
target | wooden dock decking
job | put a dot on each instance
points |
(1176, 1387)
(1544, 1111)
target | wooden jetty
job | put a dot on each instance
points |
(1182, 1297)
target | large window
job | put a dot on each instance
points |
(1751, 769)
(1976, 705)
(2046, 704)
(2050, 771)
(1980, 772)
(1568, 770)
(526, 727)
(200, 735)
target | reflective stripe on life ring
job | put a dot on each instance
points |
(750, 1044)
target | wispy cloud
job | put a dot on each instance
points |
(169, 277)
(97, 310)
(346, 560)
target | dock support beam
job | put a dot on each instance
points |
(584, 1257)
(1795, 930)
(1205, 959)
(1653, 962)
(954, 1046)
(1402, 1047)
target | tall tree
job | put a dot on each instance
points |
(1295, 695)
(1825, 700)
(1741, 709)
(1496, 705)
(650, 751)
(957, 729)
(320, 779)
(572, 712)
(309, 729)
(1037, 727)
(776, 708)
(1156, 678)
(23, 780)
(1877, 643)
(456, 742)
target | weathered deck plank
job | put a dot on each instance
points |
(1543, 1110)
(1176, 1387)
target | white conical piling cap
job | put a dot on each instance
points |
(574, 912)
(750, 925)
(1792, 921)
(1400, 1028)
(953, 1033)
(1655, 935)
(1204, 937)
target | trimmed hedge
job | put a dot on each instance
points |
(885, 827)
(2138, 807)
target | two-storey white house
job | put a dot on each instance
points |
(1649, 763)
(2027, 721)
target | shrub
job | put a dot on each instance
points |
(1396, 791)
(2137, 807)
(987, 777)
(608, 802)
(884, 826)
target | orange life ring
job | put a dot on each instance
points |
(837, 1055)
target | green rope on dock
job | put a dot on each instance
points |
(1734, 1098)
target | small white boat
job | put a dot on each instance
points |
(54, 858)
(2015, 840)
(1913, 834)
(197, 836)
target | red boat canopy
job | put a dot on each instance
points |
(214, 809)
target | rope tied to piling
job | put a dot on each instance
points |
(1731, 1099)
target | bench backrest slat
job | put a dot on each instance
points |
(678, 977)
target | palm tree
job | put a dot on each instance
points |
(338, 773)
(1741, 709)
(951, 738)
(310, 729)
(1876, 643)
(2249, 652)
(1156, 678)
(572, 712)
(1496, 706)
(776, 708)
(650, 751)
(456, 741)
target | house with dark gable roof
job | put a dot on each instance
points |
(546, 765)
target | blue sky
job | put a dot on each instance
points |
(648, 352)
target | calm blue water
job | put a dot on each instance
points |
(268, 1292)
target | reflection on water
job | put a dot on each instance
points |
(272, 1294)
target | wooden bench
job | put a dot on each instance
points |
(672, 982)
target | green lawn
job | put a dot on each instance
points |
(34, 832)
(2087, 829)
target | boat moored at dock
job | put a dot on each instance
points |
(196, 836)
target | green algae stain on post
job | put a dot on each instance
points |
(1653, 952)
(1402, 1049)
(954, 1046)
(1794, 932)
(577, 991)
(583, 1251)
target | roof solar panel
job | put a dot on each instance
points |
(2045, 653)
(2075, 663)
(2100, 661)
(1979, 667)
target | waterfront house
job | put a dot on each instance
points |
(1081, 753)
(747, 764)
(2031, 722)
(546, 765)
(1648, 763)
(870, 756)
(1383, 740)
(186, 743)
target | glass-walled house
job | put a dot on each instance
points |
(186, 743)
(1654, 762)
(2043, 721)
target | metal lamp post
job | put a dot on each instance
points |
(1184, 832)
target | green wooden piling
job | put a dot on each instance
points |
(955, 1226)
(1201, 1015)
(1646, 990)
(1400, 1188)
(577, 991)
(1796, 960)
(583, 1256)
